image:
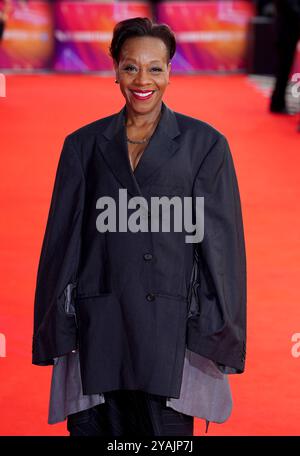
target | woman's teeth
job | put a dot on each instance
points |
(144, 94)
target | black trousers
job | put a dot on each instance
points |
(130, 413)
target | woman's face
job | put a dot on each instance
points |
(143, 66)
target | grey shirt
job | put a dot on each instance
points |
(205, 391)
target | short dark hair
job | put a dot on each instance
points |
(140, 26)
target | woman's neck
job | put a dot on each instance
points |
(140, 121)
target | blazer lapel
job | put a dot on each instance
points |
(113, 146)
(160, 148)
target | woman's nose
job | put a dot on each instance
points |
(142, 76)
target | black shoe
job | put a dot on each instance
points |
(277, 104)
(278, 110)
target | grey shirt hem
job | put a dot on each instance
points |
(205, 390)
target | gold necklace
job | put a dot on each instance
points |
(137, 142)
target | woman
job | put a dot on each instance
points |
(142, 324)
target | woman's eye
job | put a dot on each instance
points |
(130, 67)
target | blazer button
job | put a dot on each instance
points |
(150, 297)
(147, 256)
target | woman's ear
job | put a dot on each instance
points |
(116, 68)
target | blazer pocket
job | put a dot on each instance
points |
(93, 295)
(171, 296)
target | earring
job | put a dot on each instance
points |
(116, 81)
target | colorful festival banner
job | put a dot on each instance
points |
(74, 36)
(83, 31)
(211, 35)
(28, 41)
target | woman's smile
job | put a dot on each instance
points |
(143, 70)
(142, 95)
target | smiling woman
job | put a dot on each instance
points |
(141, 53)
(142, 326)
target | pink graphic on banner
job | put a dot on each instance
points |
(83, 32)
(296, 66)
(211, 35)
(28, 41)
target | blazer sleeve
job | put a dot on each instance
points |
(55, 329)
(216, 325)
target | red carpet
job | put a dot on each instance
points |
(41, 110)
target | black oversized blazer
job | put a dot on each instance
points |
(131, 302)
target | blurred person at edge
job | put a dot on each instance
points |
(265, 8)
(287, 36)
(155, 322)
(5, 6)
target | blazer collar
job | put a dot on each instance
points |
(161, 147)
